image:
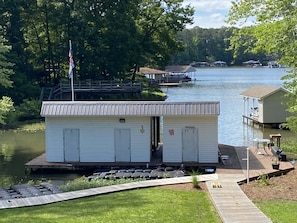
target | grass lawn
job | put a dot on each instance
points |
(279, 211)
(137, 206)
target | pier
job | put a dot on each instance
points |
(249, 119)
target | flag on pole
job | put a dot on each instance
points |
(71, 62)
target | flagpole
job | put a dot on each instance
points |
(72, 90)
(71, 66)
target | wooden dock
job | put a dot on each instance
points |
(177, 84)
(53, 198)
(40, 163)
(247, 119)
(250, 120)
(231, 203)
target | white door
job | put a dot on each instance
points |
(122, 145)
(190, 144)
(71, 145)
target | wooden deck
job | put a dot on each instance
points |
(53, 198)
(40, 163)
(63, 89)
(260, 162)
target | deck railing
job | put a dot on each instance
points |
(99, 86)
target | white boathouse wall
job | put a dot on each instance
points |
(97, 141)
(207, 137)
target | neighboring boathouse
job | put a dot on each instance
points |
(265, 105)
(131, 131)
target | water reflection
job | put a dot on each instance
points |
(16, 149)
(7, 152)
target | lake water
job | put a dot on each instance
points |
(212, 84)
(225, 85)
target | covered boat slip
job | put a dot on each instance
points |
(172, 76)
(265, 105)
(131, 132)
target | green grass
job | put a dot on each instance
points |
(151, 205)
(279, 211)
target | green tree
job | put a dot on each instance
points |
(6, 104)
(12, 29)
(273, 32)
(109, 38)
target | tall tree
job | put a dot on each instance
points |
(274, 31)
(109, 38)
(6, 104)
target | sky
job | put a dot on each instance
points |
(209, 13)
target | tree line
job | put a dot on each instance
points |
(112, 39)
(210, 45)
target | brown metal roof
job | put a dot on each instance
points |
(146, 70)
(261, 92)
(128, 108)
(180, 69)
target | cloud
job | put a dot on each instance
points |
(209, 5)
(209, 13)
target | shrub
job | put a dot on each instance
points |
(263, 180)
(28, 110)
(84, 183)
(195, 181)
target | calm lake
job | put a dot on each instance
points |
(212, 84)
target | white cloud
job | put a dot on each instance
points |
(209, 5)
(209, 13)
(212, 21)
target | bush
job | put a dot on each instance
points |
(263, 180)
(289, 145)
(195, 181)
(28, 110)
(84, 183)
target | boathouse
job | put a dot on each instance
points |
(265, 105)
(131, 131)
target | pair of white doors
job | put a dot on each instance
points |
(122, 145)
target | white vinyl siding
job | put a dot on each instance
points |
(97, 138)
(208, 137)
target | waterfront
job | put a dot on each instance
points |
(225, 85)
(212, 84)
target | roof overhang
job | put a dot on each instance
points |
(261, 92)
(128, 108)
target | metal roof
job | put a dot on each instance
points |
(128, 108)
(261, 92)
(146, 70)
(180, 69)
